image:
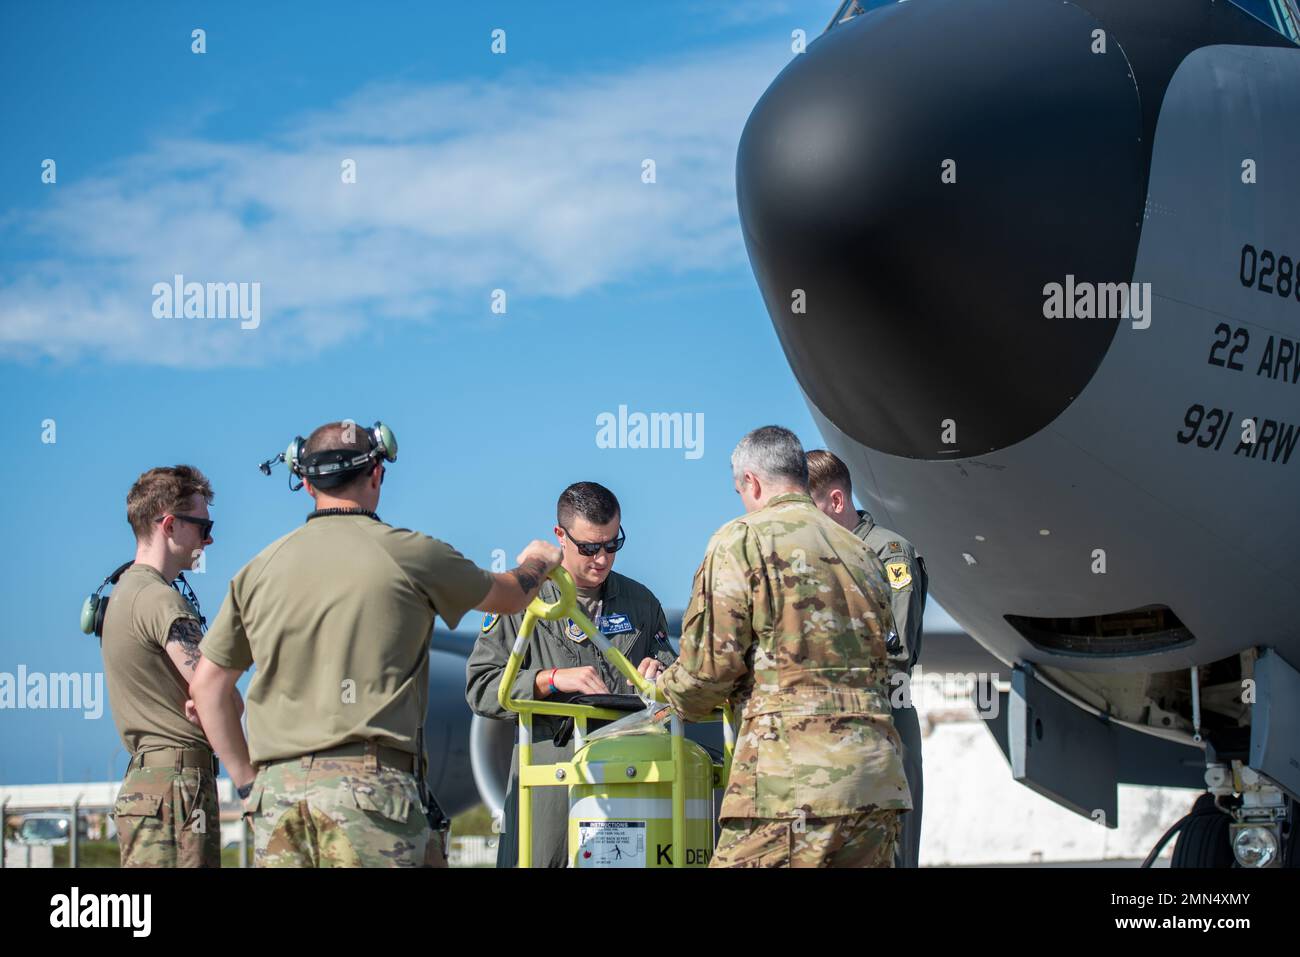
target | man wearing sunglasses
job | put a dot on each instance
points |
(562, 663)
(167, 812)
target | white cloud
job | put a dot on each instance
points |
(528, 183)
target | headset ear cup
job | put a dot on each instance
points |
(89, 614)
(385, 439)
(101, 608)
(96, 603)
(293, 454)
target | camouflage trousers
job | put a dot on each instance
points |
(168, 818)
(854, 840)
(339, 812)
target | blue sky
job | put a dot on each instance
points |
(475, 172)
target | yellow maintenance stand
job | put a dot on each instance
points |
(637, 798)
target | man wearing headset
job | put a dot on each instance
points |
(560, 661)
(166, 811)
(337, 616)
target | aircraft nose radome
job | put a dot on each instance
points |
(924, 299)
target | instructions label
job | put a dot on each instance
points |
(611, 843)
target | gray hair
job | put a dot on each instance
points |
(773, 454)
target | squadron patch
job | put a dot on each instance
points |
(900, 574)
(488, 622)
(574, 632)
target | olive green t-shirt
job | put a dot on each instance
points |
(337, 616)
(589, 601)
(145, 691)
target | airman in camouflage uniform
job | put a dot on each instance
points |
(340, 812)
(787, 620)
(169, 817)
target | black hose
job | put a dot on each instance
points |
(1160, 844)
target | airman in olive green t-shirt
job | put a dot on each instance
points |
(337, 617)
(166, 810)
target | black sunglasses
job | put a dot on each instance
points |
(205, 524)
(593, 548)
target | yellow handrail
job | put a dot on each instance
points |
(566, 606)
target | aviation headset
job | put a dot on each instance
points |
(330, 468)
(95, 606)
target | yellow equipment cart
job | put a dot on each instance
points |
(637, 798)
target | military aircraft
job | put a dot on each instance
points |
(1036, 267)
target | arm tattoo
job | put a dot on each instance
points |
(186, 631)
(530, 575)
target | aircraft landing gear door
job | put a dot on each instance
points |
(1061, 751)
(1275, 721)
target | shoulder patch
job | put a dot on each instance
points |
(488, 622)
(895, 547)
(900, 574)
